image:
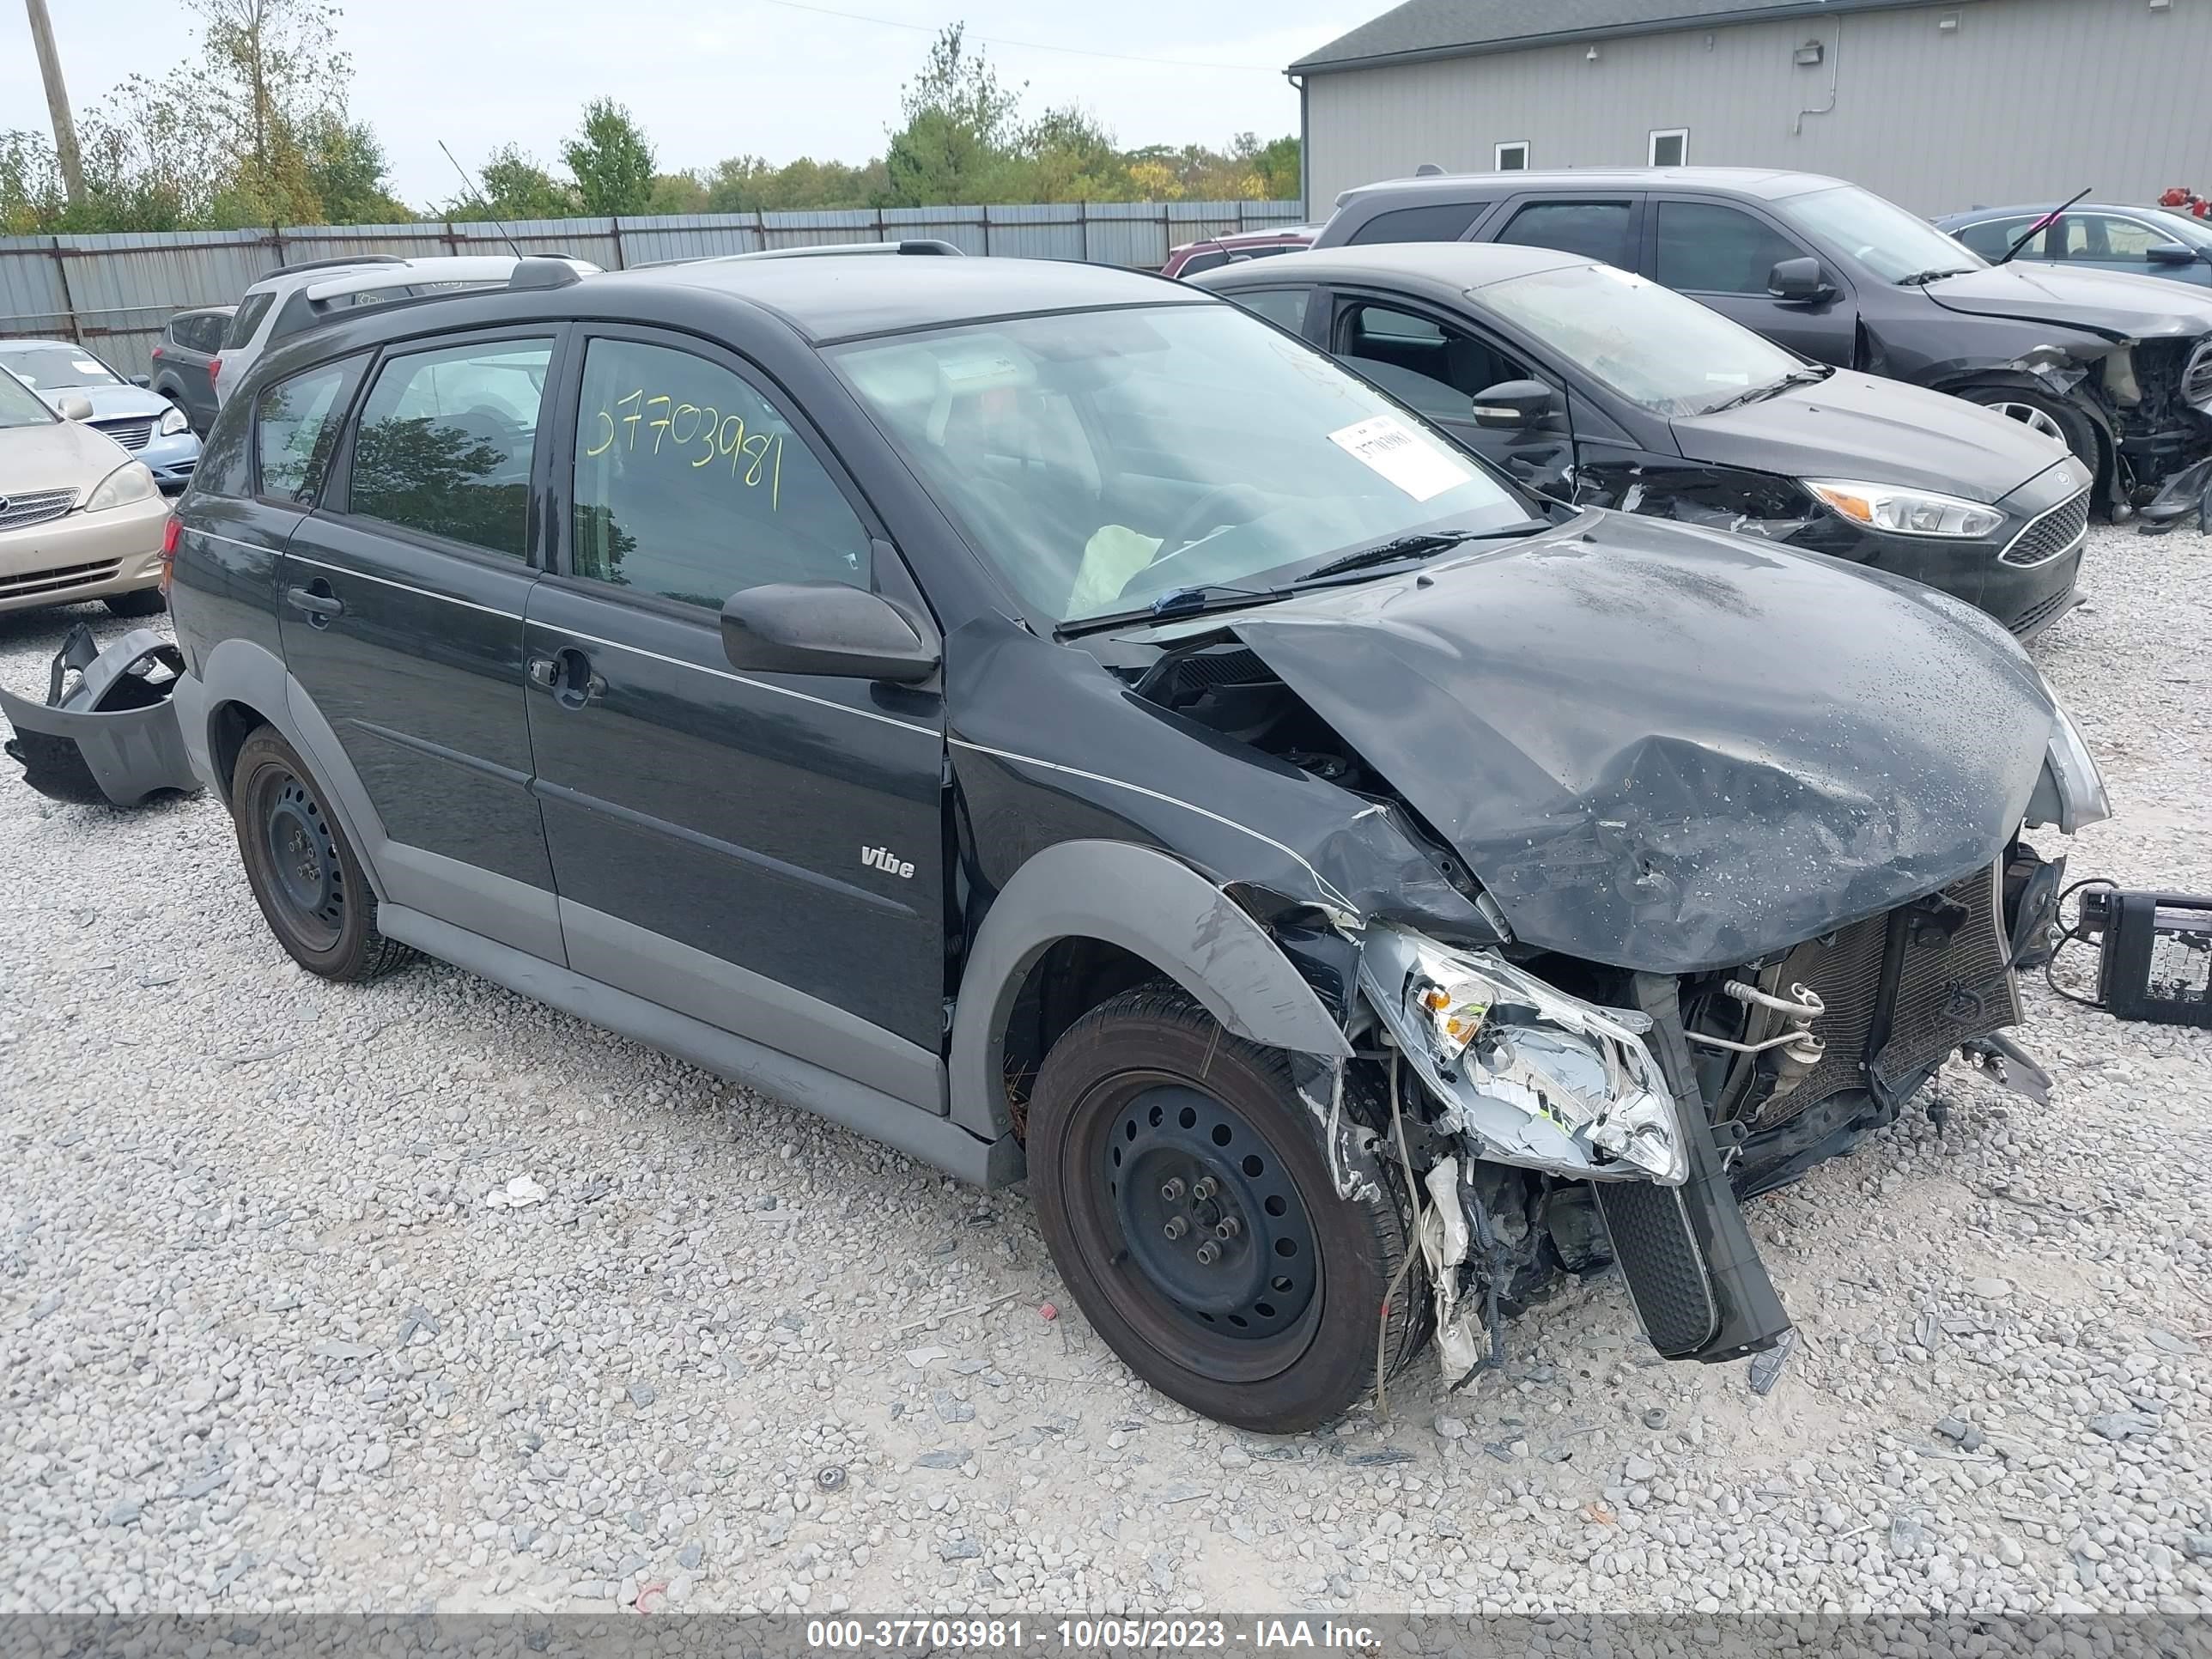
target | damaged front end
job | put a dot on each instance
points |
(1736, 919)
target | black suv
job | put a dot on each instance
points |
(2116, 365)
(1048, 719)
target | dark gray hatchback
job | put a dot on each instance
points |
(1044, 719)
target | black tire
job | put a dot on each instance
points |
(1138, 1102)
(2059, 417)
(142, 602)
(303, 872)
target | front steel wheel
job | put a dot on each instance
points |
(1185, 1192)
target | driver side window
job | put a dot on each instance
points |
(1436, 368)
(690, 485)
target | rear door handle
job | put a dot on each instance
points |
(320, 608)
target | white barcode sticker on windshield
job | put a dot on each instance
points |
(1394, 449)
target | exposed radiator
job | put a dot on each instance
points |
(1944, 996)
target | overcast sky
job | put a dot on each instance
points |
(711, 78)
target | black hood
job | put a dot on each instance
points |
(1854, 426)
(2116, 303)
(1672, 749)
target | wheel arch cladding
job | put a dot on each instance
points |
(1144, 902)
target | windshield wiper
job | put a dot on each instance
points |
(1922, 278)
(1420, 542)
(1173, 605)
(1805, 376)
(2042, 225)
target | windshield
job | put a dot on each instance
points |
(1103, 459)
(47, 368)
(18, 407)
(1880, 235)
(1659, 350)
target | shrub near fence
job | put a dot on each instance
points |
(114, 292)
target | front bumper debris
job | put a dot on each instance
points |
(113, 736)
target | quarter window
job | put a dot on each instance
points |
(444, 443)
(1446, 222)
(689, 485)
(1284, 306)
(296, 429)
(1436, 368)
(1597, 230)
(1706, 248)
(247, 318)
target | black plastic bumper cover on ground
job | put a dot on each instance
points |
(112, 739)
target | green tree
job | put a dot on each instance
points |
(512, 185)
(962, 129)
(612, 161)
(348, 174)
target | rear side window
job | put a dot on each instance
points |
(1199, 262)
(1446, 222)
(1284, 306)
(1706, 248)
(444, 443)
(1992, 237)
(296, 429)
(247, 319)
(690, 485)
(1597, 230)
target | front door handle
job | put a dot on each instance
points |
(320, 607)
(567, 675)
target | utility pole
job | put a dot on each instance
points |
(57, 103)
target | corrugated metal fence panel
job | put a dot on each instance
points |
(115, 292)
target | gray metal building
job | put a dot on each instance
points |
(1937, 104)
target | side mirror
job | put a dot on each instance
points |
(141, 379)
(825, 628)
(1513, 405)
(2170, 254)
(1800, 279)
(75, 409)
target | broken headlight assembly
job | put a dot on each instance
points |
(1541, 1078)
(1905, 511)
(2070, 793)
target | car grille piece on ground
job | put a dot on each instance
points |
(34, 506)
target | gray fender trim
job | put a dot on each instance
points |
(241, 670)
(1145, 902)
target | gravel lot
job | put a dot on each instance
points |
(267, 1343)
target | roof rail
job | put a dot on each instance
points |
(538, 270)
(912, 244)
(331, 264)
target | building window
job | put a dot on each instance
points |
(1513, 157)
(1671, 148)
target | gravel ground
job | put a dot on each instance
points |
(269, 1344)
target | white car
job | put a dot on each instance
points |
(79, 518)
(292, 298)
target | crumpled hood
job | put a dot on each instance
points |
(1854, 426)
(1671, 750)
(2114, 302)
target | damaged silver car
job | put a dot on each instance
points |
(1053, 722)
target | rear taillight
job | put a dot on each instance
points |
(170, 530)
(214, 367)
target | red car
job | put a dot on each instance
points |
(1194, 256)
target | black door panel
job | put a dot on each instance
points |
(731, 814)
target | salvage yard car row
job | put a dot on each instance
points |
(1360, 845)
